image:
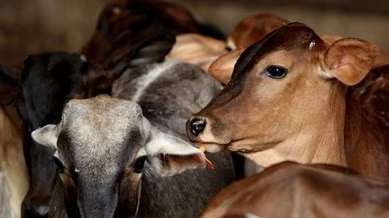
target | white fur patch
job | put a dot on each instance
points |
(311, 45)
(231, 44)
(151, 76)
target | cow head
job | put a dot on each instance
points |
(102, 145)
(289, 82)
(126, 23)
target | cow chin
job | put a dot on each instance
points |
(214, 148)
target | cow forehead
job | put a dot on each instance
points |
(99, 132)
(291, 37)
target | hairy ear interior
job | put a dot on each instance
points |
(171, 155)
(221, 69)
(349, 60)
(197, 49)
(47, 135)
(254, 28)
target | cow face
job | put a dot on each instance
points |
(102, 147)
(280, 86)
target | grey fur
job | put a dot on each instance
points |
(167, 103)
(5, 206)
(95, 141)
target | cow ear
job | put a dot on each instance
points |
(254, 28)
(197, 49)
(47, 135)
(221, 69)
(349, 60)
(170, 155)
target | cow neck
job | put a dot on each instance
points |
(365, 143)
(321, 141)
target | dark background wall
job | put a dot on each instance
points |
(35, 26)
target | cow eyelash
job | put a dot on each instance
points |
(275, 72)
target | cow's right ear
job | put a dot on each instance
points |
(349, 60)
(221, 69)
(47, 135)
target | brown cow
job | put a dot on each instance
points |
(13, 170)
(295, 190)
(287, 100)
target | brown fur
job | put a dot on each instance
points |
(306, 116)
(13, 167)
(125, 23)
(253, 28)
(294, 190)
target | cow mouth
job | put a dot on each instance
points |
(213, 147)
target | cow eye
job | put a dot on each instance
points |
(139, 164)
(59, 165)
(276, 72)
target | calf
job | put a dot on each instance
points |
(168, 93)
(48, 81)
(287, 100)
(295, 190)
(13, 170)
(103, 147)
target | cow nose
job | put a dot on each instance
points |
(197, 125)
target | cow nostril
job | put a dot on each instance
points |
(197, 125)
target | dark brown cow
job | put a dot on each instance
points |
(123, 24)
(295, 190)
(288, 100)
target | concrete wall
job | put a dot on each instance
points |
(35, 26)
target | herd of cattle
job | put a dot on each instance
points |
(119, 130)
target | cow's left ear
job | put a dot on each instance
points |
(47, 135)
(221, 69)
(170, 155)
(349, 60)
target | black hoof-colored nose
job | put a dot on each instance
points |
(197, 125)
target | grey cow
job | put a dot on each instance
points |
(103, 144)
